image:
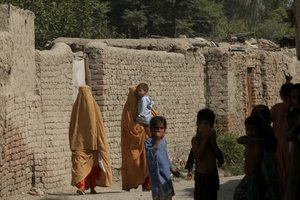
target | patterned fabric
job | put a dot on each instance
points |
(264, 185)
(270, 173)
(250, 188)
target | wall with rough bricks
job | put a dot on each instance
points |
(20, 26)
(176, 84)
(35, 106)
(184, 76)
(54, 72)
(34, 128)
(237, 81)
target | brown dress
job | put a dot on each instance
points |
(278, 116)
(133, 135)
(88, 140)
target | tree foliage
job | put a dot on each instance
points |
(72, 18)
(143, 18)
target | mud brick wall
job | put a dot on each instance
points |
(176, 84)
(184, 76)
(20, 26)
(237, 81)
(19, 110)
(34, 128)
(22, 141)
(54, 72)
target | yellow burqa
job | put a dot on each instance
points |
(133, 135)
(87, 139)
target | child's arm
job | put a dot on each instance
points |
(218, 153)
(189, 164)
(190, 161)
(175, 172)
(199, 145)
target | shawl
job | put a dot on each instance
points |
(133, 135)
(87, 139)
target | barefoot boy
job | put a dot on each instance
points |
(206, 152)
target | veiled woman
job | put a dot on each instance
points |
(90, 156)
(133, 135)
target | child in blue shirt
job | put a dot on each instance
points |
(159, 165)
(145, 104)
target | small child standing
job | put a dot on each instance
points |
(206, 152)
(145, 105)
(261, 179)
(158, 162)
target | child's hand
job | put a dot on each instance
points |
(175, 172)
(189, 175)
(207, 134)
(212, 137)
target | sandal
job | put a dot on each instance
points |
(80, 192)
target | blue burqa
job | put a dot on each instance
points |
(159, 168)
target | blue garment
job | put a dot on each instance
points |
(145, 104)
(159, 168)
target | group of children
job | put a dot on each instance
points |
(204, 151)
(263, 180)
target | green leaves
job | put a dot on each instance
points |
(141, 18)
(71, 18)
(135, 21)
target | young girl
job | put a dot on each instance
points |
(158, 162)
(261, 178)
(293, 135)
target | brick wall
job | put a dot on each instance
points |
(54, 72)
(184, 76)
(176, 85)
(237, 81)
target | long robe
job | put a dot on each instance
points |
(133, 135)
(292, 191)
(87, 139)
(278, 116)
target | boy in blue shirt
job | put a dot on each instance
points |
(145, 105)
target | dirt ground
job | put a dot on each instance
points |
(183, 190)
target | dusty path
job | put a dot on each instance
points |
(183, 190)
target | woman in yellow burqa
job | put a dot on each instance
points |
(133, 135)
(88, 143)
